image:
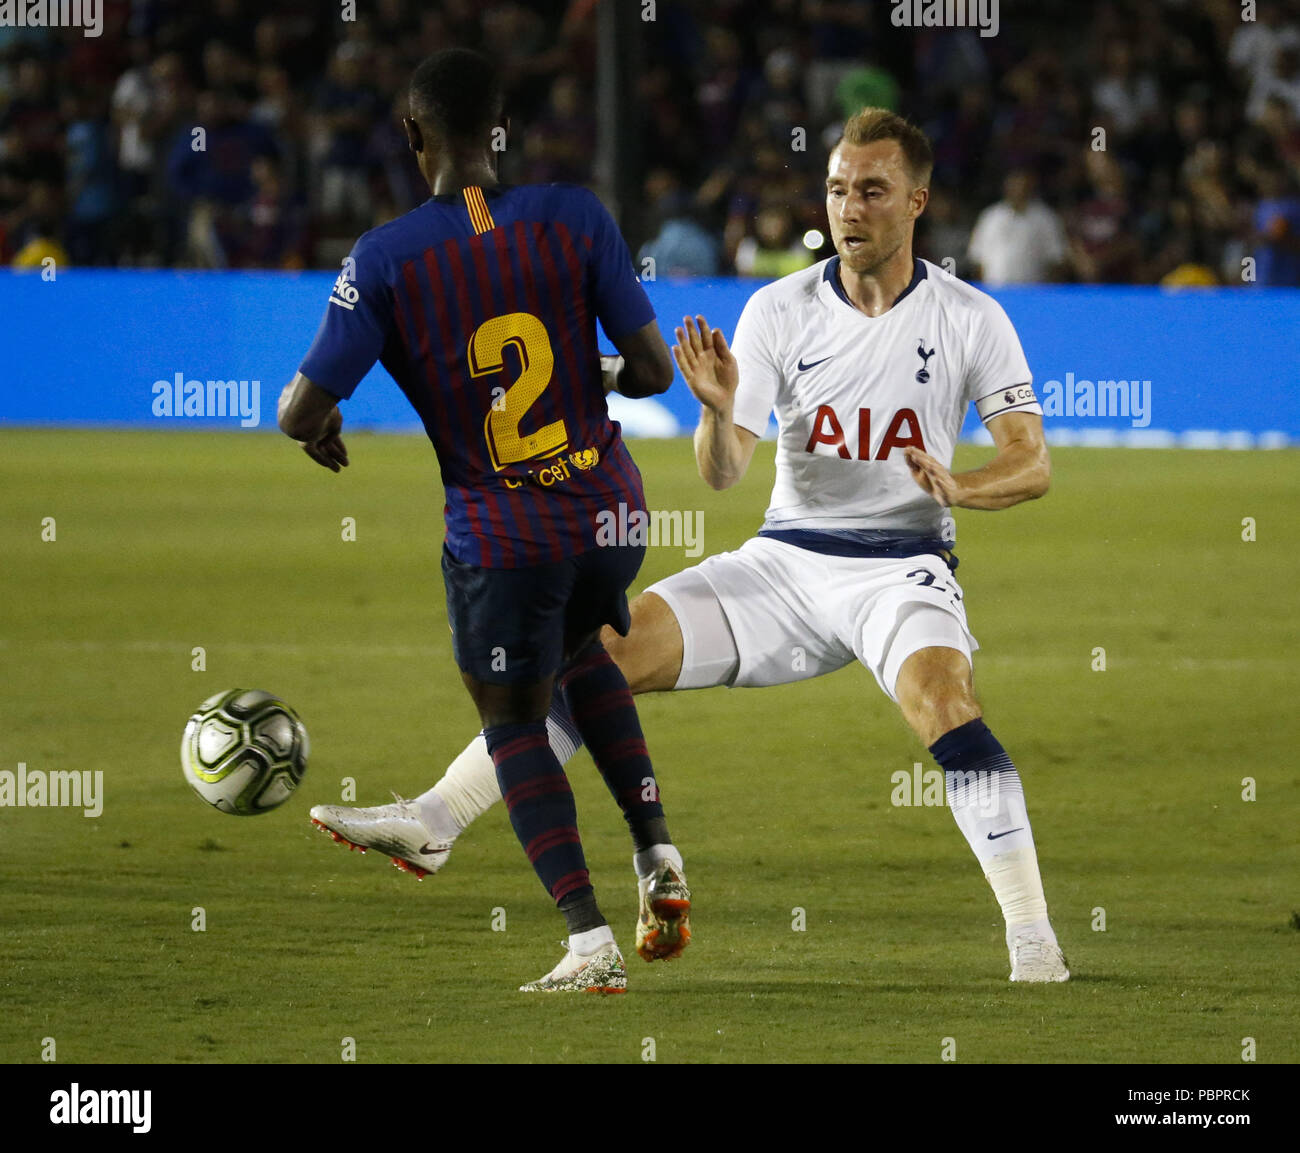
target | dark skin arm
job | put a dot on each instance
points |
(647, 368)
(311, 416)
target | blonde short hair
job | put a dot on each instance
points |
(868, 125)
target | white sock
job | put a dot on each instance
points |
(469, 786)
(1019, 890)
(989, 808)
(586, 943)
(467, 790)
(644, 862)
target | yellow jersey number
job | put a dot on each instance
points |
(531, 341)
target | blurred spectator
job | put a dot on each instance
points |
(942, 236)
(1209, 189)
(1102, 244)
(866, 87)
(1255, 47)
(346, 107)
(1128, 99)
(91, 181)
(34, 113)
(274, 236)
(722, 89)
(1276, 231)
(840, 35)
(961, 135)
(682, 247)
(1018, 240)
(1281, 128)
(777, 105)
(948, 60)
(773, 249)
(558, 145)
(1283, 84)
(213, 186)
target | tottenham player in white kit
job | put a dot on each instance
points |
(869, 361)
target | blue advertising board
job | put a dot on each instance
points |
(1112, 365)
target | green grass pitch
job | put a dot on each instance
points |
(780, 798)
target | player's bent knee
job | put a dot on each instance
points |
(650, 656)
(935, 692)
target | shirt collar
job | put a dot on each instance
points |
(832, 277)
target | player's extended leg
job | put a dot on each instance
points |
(600, 702)
(418, 834)
(934, 689)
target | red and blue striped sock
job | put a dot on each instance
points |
(544, 817)
(604, 714)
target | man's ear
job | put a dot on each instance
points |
(414, 137)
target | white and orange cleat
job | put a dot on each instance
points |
(663, 927)
(396, 830)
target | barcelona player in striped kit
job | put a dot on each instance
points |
(482, 305)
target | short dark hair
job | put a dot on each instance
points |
(868, 125)
(459, 90)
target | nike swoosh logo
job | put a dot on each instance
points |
(995, 836)
(428, 848)
(805, 367)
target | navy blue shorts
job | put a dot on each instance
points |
(513, 625)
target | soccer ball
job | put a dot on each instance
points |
(244, 751)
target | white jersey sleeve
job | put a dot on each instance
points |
(760, 371)
(998, 379)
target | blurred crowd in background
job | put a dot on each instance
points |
(1197, 182)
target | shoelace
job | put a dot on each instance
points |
(1035, 949)
(403, 803)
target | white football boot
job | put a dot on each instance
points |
(599, 972)
(395, 829)
(1034, 958)
(663, 927)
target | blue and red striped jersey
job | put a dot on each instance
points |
(482, 306)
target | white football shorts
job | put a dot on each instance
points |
(771, 613)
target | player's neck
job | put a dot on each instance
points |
(453, 177)
(875, 292)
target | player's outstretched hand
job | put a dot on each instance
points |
(710, 371)
(328, 449)
(932, 476)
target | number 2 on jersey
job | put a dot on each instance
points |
(505, 444)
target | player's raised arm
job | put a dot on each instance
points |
(1021, 470)
(723, 450)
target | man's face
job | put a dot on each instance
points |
(1018, 188)
(870, 203)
